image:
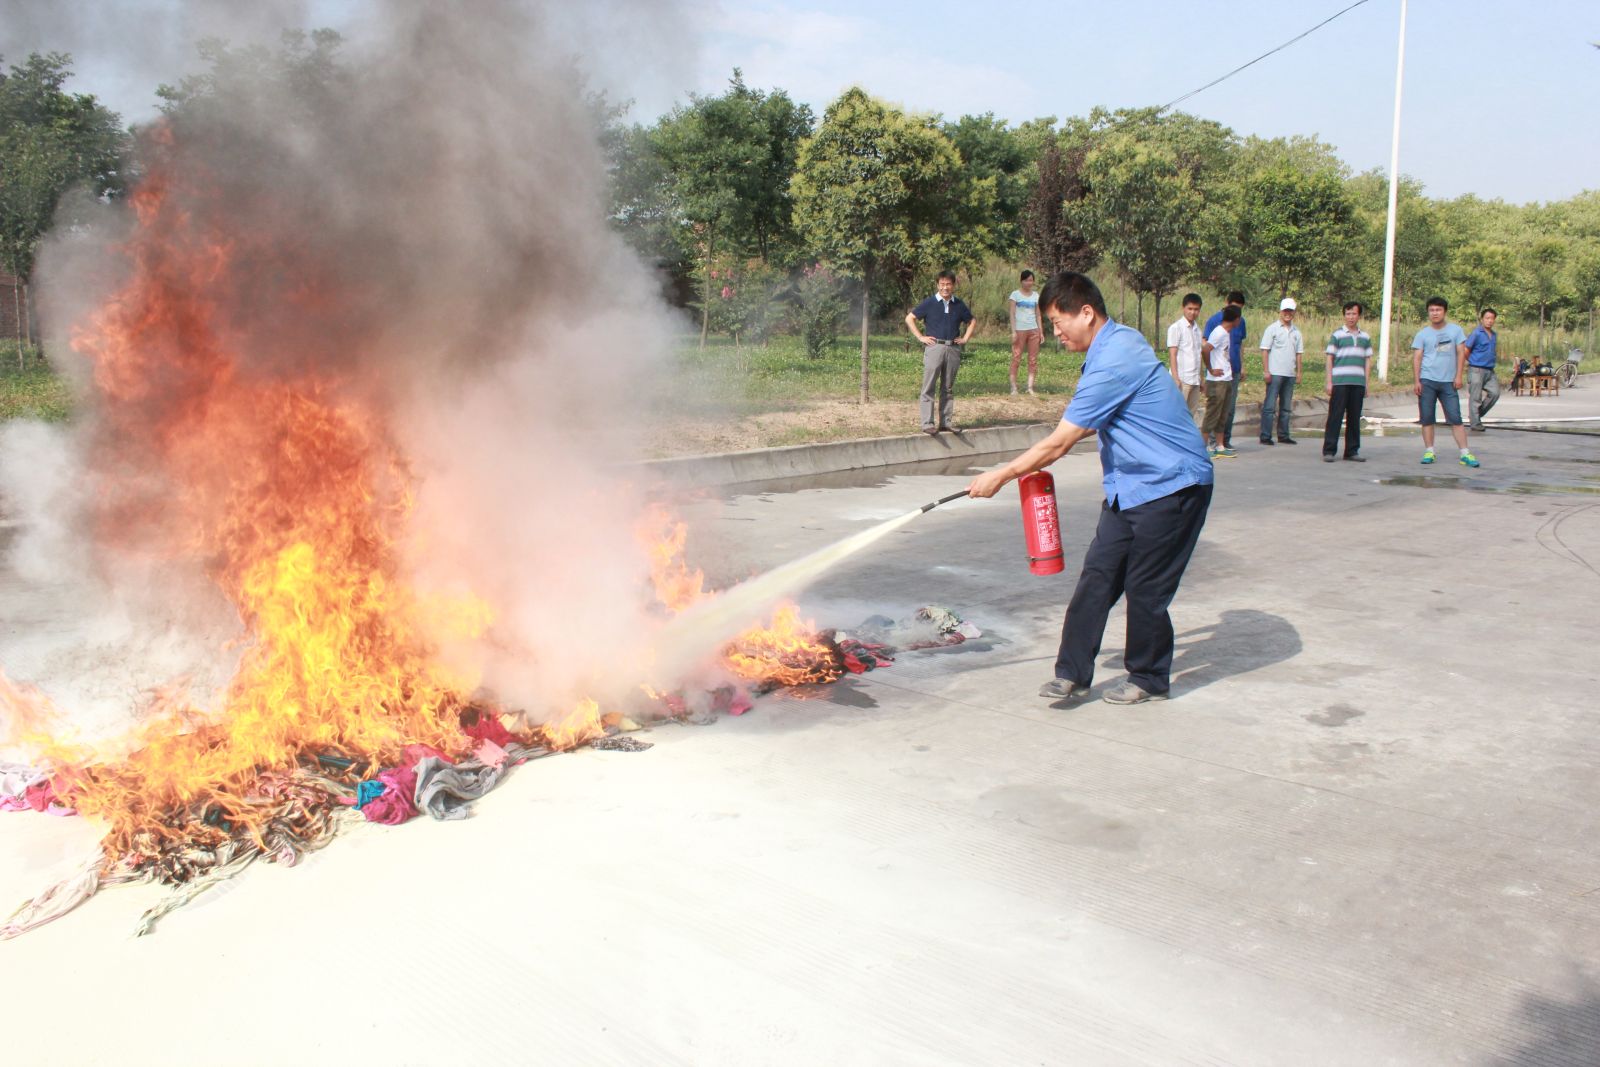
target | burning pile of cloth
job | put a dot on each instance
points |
(299, 810)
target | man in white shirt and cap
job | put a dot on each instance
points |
(1281, 346)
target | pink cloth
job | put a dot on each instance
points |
(395, 806)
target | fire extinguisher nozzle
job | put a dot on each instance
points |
(944, 500)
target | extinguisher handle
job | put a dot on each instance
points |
(944, 500)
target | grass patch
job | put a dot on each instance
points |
(721, 380)
(33, 392)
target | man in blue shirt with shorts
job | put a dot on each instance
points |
(1438, 355)
(1157, 480)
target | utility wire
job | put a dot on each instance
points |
(1264, 55)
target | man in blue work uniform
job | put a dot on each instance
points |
(1236, 337)
(944, 315)
(1483, 385)
(1157, 482)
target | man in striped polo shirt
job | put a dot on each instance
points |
(1348, 368)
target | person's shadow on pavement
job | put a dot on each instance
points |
(1242, 640)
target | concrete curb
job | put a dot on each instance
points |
(801, 461)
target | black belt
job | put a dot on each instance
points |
(945, 341)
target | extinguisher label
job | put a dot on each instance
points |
(1048, 525)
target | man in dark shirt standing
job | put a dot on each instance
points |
(944, 316)
(1236, 336)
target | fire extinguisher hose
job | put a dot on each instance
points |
(944, 500)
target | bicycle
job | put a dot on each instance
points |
(1568, 373)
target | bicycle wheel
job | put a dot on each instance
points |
(1566, 375)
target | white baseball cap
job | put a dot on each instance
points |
(1287, 305)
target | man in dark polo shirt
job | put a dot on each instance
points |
(944, 316)
(1157, 481)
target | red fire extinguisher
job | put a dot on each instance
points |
(1041, 524)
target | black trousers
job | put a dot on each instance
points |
(1141, 553)
(1344, 405)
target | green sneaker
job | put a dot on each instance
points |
(1469, 460)
(1427, 457)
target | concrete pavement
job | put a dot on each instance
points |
(1362, 833)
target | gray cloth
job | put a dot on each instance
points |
(939, 366)
(445, 790)
(1483, 390)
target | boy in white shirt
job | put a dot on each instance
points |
(1219, 383)
(1183, 352)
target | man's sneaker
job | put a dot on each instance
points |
(1128, 693)
(1469, 460)
(1287, 441)
(1427, 457)
(1226, 453)
(1327, 457)
(1266, 440)
(1476, 429)
(1062, 689)
(1211, 454)
(1355, 459)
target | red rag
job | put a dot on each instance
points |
(411, 755)
(489, 728)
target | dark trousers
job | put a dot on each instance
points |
(1140, 552)
(1344, 405)
(1233, 406)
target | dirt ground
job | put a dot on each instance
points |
(840, 420)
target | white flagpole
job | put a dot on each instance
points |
(1394, 192)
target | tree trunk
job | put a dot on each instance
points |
(705, 294)
(866, 312)
(28, 330)
(1139, 302)
(1122, 312)
(16, 300)
(1157, 313)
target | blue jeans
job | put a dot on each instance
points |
(1445, 394)
(1280, 401)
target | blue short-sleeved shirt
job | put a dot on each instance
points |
(1236, 338)
(1149, 447)
(1439, 353)
(1482, 348)
(943, 323)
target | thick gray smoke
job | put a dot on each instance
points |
(425, 226)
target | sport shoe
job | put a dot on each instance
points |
(1469, 460)
(1128, 693)
(1266, 440)
(1327, 457)
(1211, 454)
(1355, 459)
(1287, 441)
(1062, 689)
(1013, 390)
(1226, 453)
(1427, 457)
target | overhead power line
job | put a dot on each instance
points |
(1264, 55)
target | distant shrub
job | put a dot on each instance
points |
(819, 310)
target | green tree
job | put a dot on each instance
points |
(991, 152)
(1543, 263)
(727, 161)
(50, 141)
(871, 187)
(1481, 274)
(1143, 209)
(1296, 221)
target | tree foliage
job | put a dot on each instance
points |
(873, 189)
(50, 140)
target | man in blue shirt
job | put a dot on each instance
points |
(1157, 482)
(1438, 359)
(944, 316)
(1483, 387)
(1236, 337)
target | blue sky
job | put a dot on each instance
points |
(1500, 98)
